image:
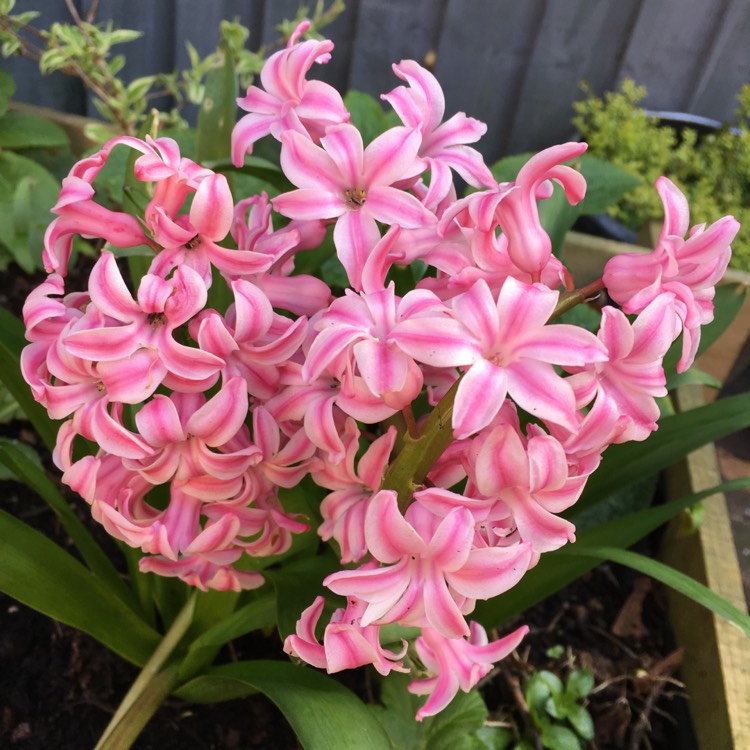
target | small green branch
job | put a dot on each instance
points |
(569, 300)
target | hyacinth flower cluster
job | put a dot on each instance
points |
(199, 416)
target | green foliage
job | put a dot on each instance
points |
(556, 709)
(712, 170)
(454, 728)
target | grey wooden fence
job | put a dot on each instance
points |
(515, 64)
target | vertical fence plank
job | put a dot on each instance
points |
(668, 47)
(568, 49)
(727, 66)
(483, 50)
(389, 31)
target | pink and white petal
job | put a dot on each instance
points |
(343, 143)
(310, 204)
(477, 310)
(392, 157)
(480, 395)
(451, 543)
(249, 129)
(355, 235)
(309, 166)
(389, 536)
(425, 90)
(221, 417)
(110, 434)
(382, 367)
(676, 209)
(491, 571)
(132, 380)
(212, 208)
(560, 344)
(105, 344)
(393, 206)
(441, 610)
(159, 422)
(542, 529)
(187, 361)
(438, 341)
(539, 390)
(523, 307)
(109, 292)
(188, 298)
(253, 311)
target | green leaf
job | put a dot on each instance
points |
(26, 239)
(38, 573)
(297, 584)
(31, 474)
(7, 89)
(20, 130)
(218, 110)
(556, 737)
(258, 614)
(368, 115)
(555, 570)
(322, 712)
(580, 719)
(693, 376)
(677, 436)
(669, 576)
(11, 344)
(606, 183)
(452, 729)
(580, 683)
(492, 738)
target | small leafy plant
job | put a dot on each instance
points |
(713, 170)
(557, 709)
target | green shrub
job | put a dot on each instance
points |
(712, 170)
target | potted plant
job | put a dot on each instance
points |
(397, 409)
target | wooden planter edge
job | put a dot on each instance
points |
(716, 669)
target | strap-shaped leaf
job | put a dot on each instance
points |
(323, 713)
(670, 576)
(677, 436)
(26, 471)
(259, 613)
(38, 573)
(555, 570)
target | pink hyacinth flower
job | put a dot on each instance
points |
(517, 351)
(162, 307)
(346, 643)
(421, 106)
(687, 268)
(531, 478)
(290, 101)
(457, 663)
(432, 575)
(625, 387)
(344, 181)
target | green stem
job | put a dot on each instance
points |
(570, 299)
(150, 688)
(419, 453)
